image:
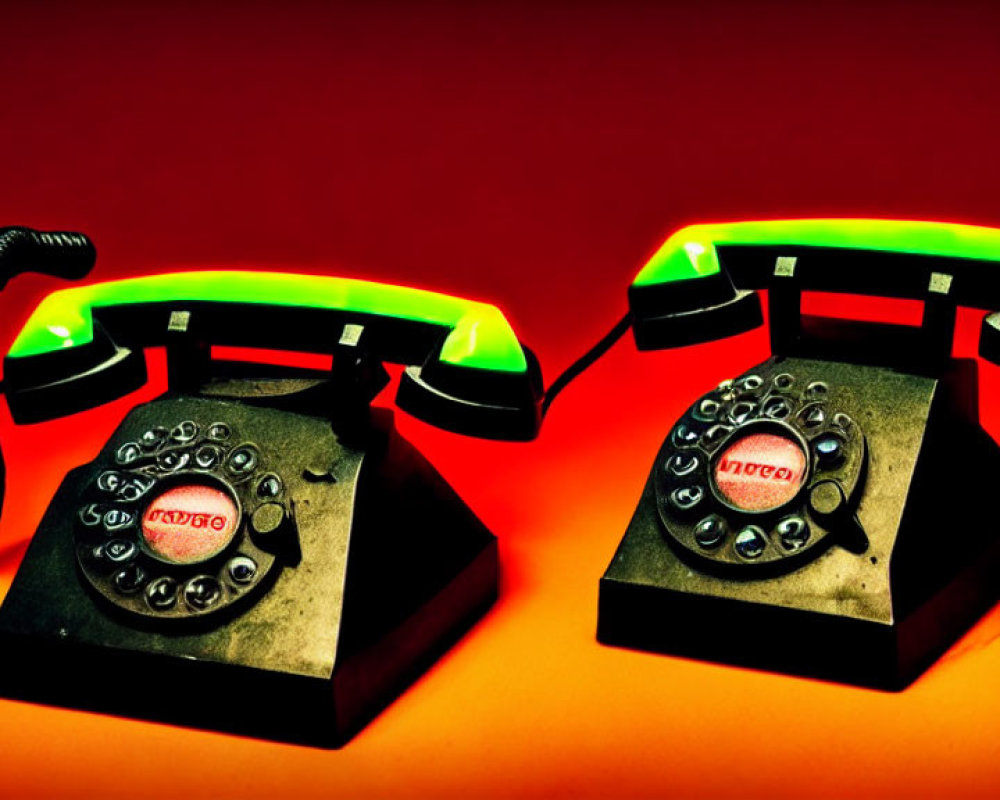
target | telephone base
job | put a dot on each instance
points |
(792, 641)
(877, 614)
(389, 568)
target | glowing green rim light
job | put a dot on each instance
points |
(691, 251)
(480, 335)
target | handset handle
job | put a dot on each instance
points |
(82, 346)
(699, 284)
(63, 254)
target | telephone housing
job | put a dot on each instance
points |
(257, 550)
(826, 512)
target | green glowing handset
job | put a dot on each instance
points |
(826, 511)
(257, 550)
(701, 283)
(82, 346)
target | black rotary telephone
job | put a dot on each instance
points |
(827, 512)
(257, 550)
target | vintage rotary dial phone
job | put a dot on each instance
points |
(256, 550)
(828, 512)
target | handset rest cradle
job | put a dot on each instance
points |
(466, 369)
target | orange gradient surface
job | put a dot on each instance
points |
(529, 155)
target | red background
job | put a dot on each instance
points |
(530, 155)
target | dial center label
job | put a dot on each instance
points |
(760, 471)
(191, 523)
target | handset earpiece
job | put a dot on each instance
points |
(63, 254)
(684, 294)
